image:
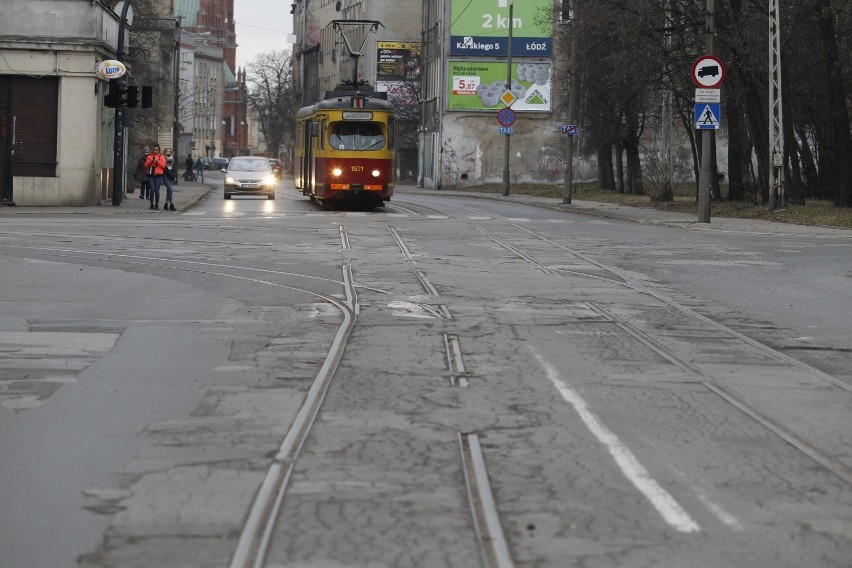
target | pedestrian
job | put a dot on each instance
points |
(155, 165)
(169, 175)
(190, 163)
(141, 174)
(199, 169)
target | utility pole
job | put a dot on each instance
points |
(507, 141)
(776, 120)
(568, 183)
(118, 133)
(704, 182)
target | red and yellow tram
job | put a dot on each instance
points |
(345, 148)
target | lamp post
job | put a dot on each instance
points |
(118, 136)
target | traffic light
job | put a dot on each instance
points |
(147, 97)
(132, 96)
(109, 95)
(121, 93)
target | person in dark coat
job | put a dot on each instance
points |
(142, 174)
(190, 163)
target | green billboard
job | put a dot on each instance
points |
(481, 85)
(481, 28)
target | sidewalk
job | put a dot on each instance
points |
(186, 195)
(644, 215)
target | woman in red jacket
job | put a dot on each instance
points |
(155, 165)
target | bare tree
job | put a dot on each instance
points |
(272, 96)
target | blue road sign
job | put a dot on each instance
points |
(506, 117)
(571, 129)
(708, 116)
(507, 130)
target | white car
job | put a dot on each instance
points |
(249, 175)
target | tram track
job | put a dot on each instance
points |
(258, 531)
(708, 379)
(256, 534)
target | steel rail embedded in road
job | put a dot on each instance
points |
(713, 384)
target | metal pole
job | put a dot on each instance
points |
(175, 128)
(507, 141)
(776, 118)
(568, 183)
(118, 133)
(704, 182)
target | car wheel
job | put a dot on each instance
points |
(270, 196)
(227, 196)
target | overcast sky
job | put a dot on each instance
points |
(261, 26)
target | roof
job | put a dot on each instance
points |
(187, 11)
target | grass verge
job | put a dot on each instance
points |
(814, 212)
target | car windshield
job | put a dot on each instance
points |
(259, 165)
(356, 136)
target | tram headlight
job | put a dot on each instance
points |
(376, 173)
(337, 172)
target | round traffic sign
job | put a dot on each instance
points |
(708, 72)
(506, 117)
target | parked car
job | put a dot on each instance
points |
(220, 164)
(277, 168)
(249, 175)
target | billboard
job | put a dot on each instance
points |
(398, 71)
(479, 85)
(481, 27)
(398, 61)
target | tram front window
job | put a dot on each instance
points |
(356, 136)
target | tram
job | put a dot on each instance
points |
(344, 148)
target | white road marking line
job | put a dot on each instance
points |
(195, 213)
(720, 513)
(635, 472)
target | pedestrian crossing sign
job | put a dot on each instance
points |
(708, 116)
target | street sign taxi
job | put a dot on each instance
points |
(506, 117)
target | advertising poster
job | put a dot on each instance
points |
(481, 27)
(398, 61)
(478, 85)
(398, 71)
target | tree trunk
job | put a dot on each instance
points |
(810, 175)
(619, 167)
(605, 179)
(841, 142)
(738, 152)
(794, 190)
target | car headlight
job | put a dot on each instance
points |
(337, 172)
(376, 173)
(230, 181)
(270, 180)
